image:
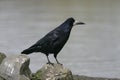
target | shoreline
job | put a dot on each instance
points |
(82, 77)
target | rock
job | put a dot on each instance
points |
(15, 68)
(2, 56)
(53, 72)
(23, 77)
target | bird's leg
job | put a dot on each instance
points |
(55, 56)
(48, 60)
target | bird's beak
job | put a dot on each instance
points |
(78, 23)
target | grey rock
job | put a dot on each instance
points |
(2, 56)
(23, 77)
(53, 72)
(15, 68)
(1, 78)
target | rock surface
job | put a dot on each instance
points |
(15, 68)
(53, 72)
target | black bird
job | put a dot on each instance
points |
(54, 41)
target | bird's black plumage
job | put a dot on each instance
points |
(54, 41)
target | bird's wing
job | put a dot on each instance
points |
(47, 40)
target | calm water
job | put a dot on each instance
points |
(92, 49)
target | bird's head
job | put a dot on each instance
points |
(72, 22)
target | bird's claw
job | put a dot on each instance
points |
(50, 63)
(60, 64)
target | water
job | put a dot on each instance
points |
(92, 49)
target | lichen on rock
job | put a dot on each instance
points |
(53, 72)
(2, 56)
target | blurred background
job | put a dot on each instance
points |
(92, 49)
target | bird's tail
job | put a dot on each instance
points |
(27, 51)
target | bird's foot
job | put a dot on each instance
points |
(59, 63)
(50, 63)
